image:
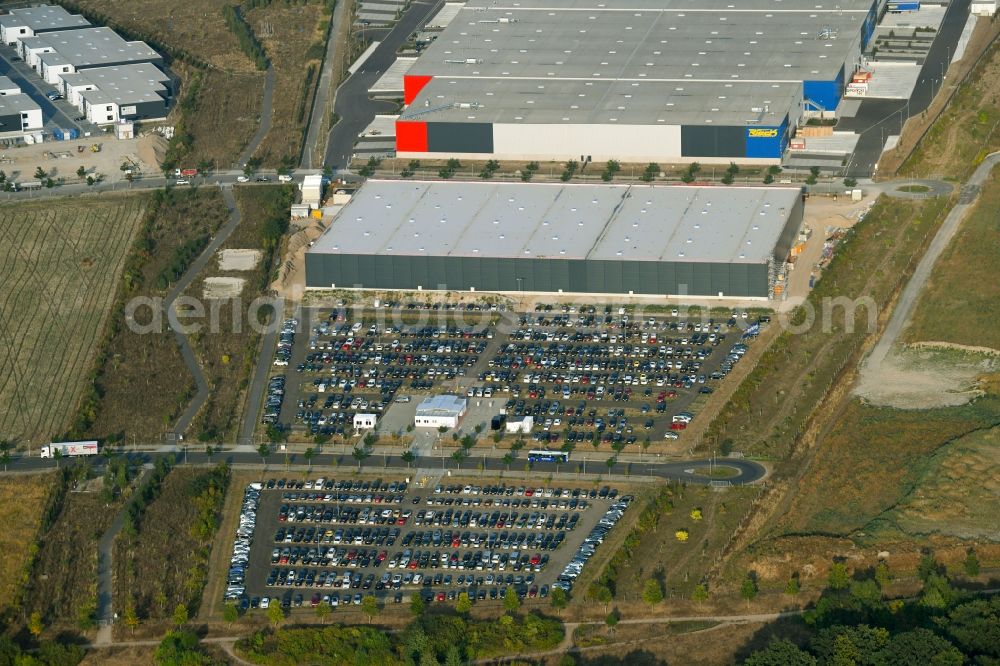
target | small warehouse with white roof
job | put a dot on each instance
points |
(439, 411)
(727, 242)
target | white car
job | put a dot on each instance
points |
(183, 181)
(670, 434)
(265, 602)
(285, 178)
(242, 179)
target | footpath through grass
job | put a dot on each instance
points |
(961, 302)
(772, 406)
(141, 382)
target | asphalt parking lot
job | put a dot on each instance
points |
(339, 540)
(584, 375)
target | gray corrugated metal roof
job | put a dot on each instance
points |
(121, 84)
(44, 17)
(91, 47)
(441, 405)
(680, 102)
(561, 221)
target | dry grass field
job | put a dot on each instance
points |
(144, 383)
(156, 573)
(961, 303)
(964, 132)
(194, 27)
(293, 29)
(872, 460)
(60, 263)
(959, 492)
(22, 502)
(227, 113)
(65, 587)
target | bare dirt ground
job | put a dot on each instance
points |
(926, 377)
(62, 159)
(238, 259)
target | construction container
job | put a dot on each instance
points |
(317, 214)
(798, 249)
(797, 144)
(861, 76)
(778, 289)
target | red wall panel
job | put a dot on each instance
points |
(412, 85)
(411, 136)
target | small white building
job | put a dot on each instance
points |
(31, 21)
(983, 7)
(8, 87)
(522, 425)
(312, 190)
(18, 112)
(365, 422)
(440, 410)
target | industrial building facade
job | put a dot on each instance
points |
(526, 237)
(635, 81)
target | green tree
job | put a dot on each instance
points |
(360, 454)
(508, 458)
(275, 614)
(81, 172)
(511, 603)
(612, 619)
(882, 575)
(838, 578)
(180, 616)
(970, 564)
(558, 598)
(937, 593)
(130, 617)
(5, 457)
(600, 593)
(780, 652)
(35, 625)
(40, 174)
(230, 613)
(263, 451)
(700, 592)
(749, 589)
(180, 648)
(370, 607)
(416, 605)
(792, 587)
(920, 646)
(463, 605)
(323, 611)
(652, 592)
(309, 454)
(408, 457)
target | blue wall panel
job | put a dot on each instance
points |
(824, 94)
(767, 141)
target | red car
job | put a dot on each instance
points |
(440, 596)
(678, 426)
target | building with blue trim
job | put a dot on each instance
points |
(635, 80)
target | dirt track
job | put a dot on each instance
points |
(882, 378)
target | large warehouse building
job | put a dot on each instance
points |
(637, 80)
(540, 237)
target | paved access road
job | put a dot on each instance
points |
(745, 471)
(310, 151)
(355, 108)
(877, 119)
